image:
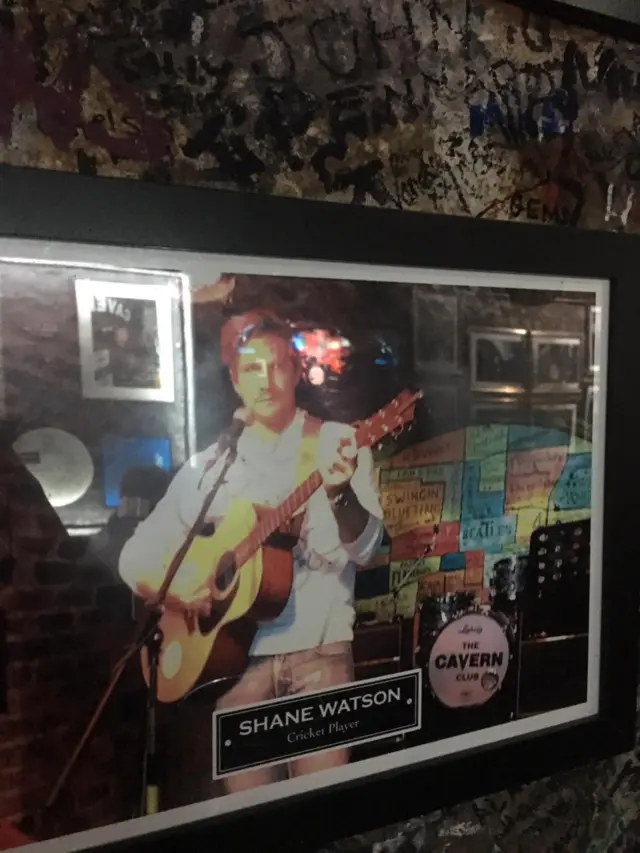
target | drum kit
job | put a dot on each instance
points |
(464, 649)
(468, 652)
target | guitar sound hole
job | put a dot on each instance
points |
(226, 572)
(207, 530)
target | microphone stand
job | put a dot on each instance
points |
(150, 797)
(117, 673)
(150, 637)
(412, 574)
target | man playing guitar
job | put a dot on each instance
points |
(308, 646)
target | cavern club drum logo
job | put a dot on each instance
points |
(469, 661)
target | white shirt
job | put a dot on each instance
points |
(320, 608)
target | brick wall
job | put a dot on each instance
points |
(67, 623)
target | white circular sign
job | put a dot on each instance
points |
(469, 661)
(59, 461)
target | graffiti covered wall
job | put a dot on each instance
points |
(453, 106)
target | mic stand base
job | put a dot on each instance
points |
(150, 798)
(148, 631)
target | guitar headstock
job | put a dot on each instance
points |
(392, 418)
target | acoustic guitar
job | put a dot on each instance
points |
(248, 570)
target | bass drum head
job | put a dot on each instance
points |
(469, 660)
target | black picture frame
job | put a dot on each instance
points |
(620, 18)
(4, 662)
(53, 206)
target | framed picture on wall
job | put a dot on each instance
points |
(556, 416)
(126, 340)
(557, 362)
(499, 360)
(435, 330)
(390, 588)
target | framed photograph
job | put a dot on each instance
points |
(126, 343)
(556, 416)
(499, 360)
(289, 704)
(435, 331)
(557, 362)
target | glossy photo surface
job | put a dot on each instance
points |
(305, 512)
(347, 522)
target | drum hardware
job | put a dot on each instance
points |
(507, 584)
(412, 573)
(435, 612)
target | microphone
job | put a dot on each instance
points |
(230, 437)
(228, 441)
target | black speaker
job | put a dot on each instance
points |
(377, 649)
(381, 649)
(553, 674)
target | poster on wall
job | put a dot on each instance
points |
(374, 585)
(354, 573)
(126, 346)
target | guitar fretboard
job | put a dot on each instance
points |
(261, 532)
(370, 431)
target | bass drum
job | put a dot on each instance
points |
(468, 656)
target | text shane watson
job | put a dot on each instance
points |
(320, 716)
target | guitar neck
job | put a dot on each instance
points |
(272, 521)
(370, 431)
